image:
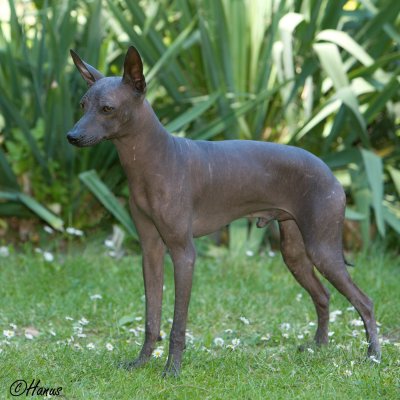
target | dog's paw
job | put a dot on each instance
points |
(171, 369)
(137, 363)
(308, 346)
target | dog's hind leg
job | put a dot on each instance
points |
(330, 262)
(322, 236)
(295, 257)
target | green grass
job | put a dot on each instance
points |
(40, 294)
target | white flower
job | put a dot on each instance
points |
(348, 373)
(170, 320)
(333, 315)
(374, 359)
(77, 346)
(299, 296)
(331, 333)
(134, 331)
(285, 335)
(69, 318)
(189, 337)
(96, 297)
(285, 326)
(355, 333)
(350, 308)
(91, 346)
(28, 336)
(204, 348)
(219, 341)
(8, 333)
(163, 335)
(235, 342)
(266, 337)
(109, 243)
(83, 321)
(4, 251)
(48, 230)
(109, 347)
(13, 326)
(249, 253)
(77, 329)
(356, 322)
(310, 350)
(138, 318)
(230, 346)
(158, 352)
(245, 320)
(48, 256)
(311, 323)
(75, 232)
(52, 333)
(81, 335)
(300, 336)
(271, 253)
(228, 331)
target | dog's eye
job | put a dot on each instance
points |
(107, 109)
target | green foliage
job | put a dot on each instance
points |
(319, 74)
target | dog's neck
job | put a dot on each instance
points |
(144, 143)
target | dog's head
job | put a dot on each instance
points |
(109, 104)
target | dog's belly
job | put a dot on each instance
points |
(206, 224)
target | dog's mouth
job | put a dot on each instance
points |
(84, 141)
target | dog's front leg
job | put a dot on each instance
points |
(153, 251)
(183, 256)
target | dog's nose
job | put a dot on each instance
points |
(72, 138)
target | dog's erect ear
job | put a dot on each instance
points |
(89, 74)
(133, 70)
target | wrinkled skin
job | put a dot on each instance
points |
(180, 189)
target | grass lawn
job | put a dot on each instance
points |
(68, 339)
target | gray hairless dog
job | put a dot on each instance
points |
(180, 189)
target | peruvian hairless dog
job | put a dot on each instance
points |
(181, 189)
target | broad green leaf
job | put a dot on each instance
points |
(35, 207)
(217, 126)
(7, 178)
(348, 98)
(392, 217)
(331, 62)
(170, 53)
(191, 114)
(328, 109)
(395, 175)
(41, 211)
(381, 99)
(353, 215)
(287, 25)
(343, 158)
(109, 201)
(374, 169)
(346, 42)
